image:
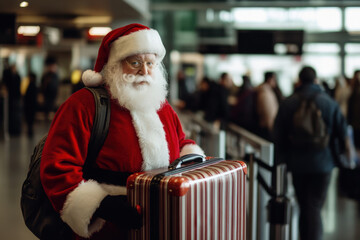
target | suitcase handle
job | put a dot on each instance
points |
(185, 159)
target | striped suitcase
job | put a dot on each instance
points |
(203, 200)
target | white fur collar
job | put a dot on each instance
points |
(152, 140)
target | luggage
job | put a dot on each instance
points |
(205, 200)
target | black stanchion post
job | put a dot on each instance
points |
(279, 215)
(279, 208)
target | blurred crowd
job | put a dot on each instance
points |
(255, 107)
(220, 100)
(25, 97)
(309, 129)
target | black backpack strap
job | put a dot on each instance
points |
(100, 126)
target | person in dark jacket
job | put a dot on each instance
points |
(311, 169)
(49, 85)
(30, 104)
(353, 111)
(217, 108)
(243, 112)
(12, 81)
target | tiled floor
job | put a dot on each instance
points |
(15, 155)
(341, 215)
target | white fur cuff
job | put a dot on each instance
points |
(81, 204)
(191, 148)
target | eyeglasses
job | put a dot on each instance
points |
(136, 63)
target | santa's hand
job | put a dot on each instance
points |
(118, 210)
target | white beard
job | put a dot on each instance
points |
(143, 101)
(133, 96)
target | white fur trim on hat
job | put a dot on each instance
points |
(81, 204)
(139, 42)
(91, 78)
(191, 148)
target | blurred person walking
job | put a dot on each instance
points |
(267, 105)
(243, 113)
(198, 100)
(342, 92)
(217, 108)
(12, 81)
(353, 113)
(49, 86)
(311, 167)
(276, 87)
(30, 104)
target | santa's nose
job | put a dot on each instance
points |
(144, 70)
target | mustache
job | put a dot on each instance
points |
(131, 78)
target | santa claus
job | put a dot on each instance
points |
(144, 133)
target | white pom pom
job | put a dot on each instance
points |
(91, 78)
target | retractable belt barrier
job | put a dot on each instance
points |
(279, 207)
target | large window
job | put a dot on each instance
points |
(352, 58)
(352, 19)
(331, 41)
(309, 19)
(255, 66)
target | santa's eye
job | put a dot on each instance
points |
(135, 64)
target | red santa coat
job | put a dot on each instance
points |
(135, 142)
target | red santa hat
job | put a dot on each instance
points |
(121, 43)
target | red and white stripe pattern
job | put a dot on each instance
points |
(212, 208)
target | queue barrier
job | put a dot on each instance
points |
(270, 208)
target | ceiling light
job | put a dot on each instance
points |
(28, 30)
(85, 20)
(99, 31)
(24, 4)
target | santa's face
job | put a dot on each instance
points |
(137, 82)
(140, 64)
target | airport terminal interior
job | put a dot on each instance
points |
(203, 39)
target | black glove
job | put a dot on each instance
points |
(117, 209)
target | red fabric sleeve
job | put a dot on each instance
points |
(182, 138)
(174, 132)
(66, 146)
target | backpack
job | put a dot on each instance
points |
(309, 130)
(39, 215)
